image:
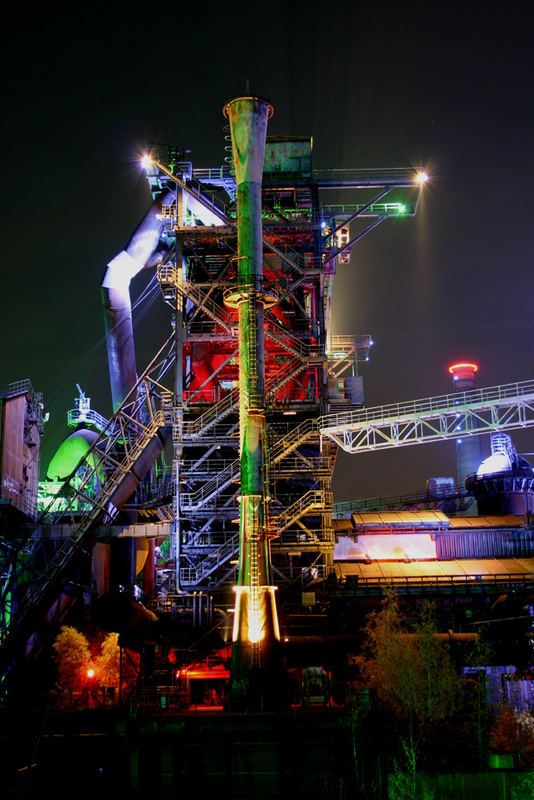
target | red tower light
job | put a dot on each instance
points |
(463, 370)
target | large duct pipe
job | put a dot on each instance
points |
(140, 252)
(255, 622)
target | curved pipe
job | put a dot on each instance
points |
(70, 453)
(140, 252)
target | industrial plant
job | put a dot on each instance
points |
(198, 522)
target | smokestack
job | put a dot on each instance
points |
(468, 448)
(120, 271)
(255, 631)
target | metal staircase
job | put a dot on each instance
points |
(297, 436)
(112, 468)
(219, 411)
(288, 341)
(195, 500)
(194, 575)
(230, 473)
(169, 276)
(314, 500)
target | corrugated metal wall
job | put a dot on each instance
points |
(500, 543)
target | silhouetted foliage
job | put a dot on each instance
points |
(513, 733)
(411, 672)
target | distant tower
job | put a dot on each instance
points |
(468, 448)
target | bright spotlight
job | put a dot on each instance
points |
(421, 178)
(146, 161)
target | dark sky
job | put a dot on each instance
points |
(446, 85)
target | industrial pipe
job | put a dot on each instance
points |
(255, 632)
(139, 253)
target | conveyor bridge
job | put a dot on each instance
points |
(497, 408)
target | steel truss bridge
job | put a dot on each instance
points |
(300, 259)
(477, 411)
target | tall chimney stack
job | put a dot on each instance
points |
(255, 632)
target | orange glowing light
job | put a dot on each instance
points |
(256, 608)
(90, 673)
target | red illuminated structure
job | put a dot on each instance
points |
(464, 371)
(468, 447)
(172, 452)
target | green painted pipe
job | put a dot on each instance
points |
(255, 622)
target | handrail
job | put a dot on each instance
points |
(193, 575)
(455, 403)
(195, 500)
(415, 581)
(469, 413)
(19, 387)
(169, 273)
(229, 403)
(291, 440)
(315, 499)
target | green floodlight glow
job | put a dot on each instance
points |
(402, 208)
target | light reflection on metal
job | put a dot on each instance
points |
(386, 547)
(140, 252)
(253, 622)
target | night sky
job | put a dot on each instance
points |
(447, 86)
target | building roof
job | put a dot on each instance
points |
(457, 571)
(494, 521)
(400, 519)
(427, 520)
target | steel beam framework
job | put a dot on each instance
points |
(497, 408)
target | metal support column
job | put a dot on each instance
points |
(178, 414)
